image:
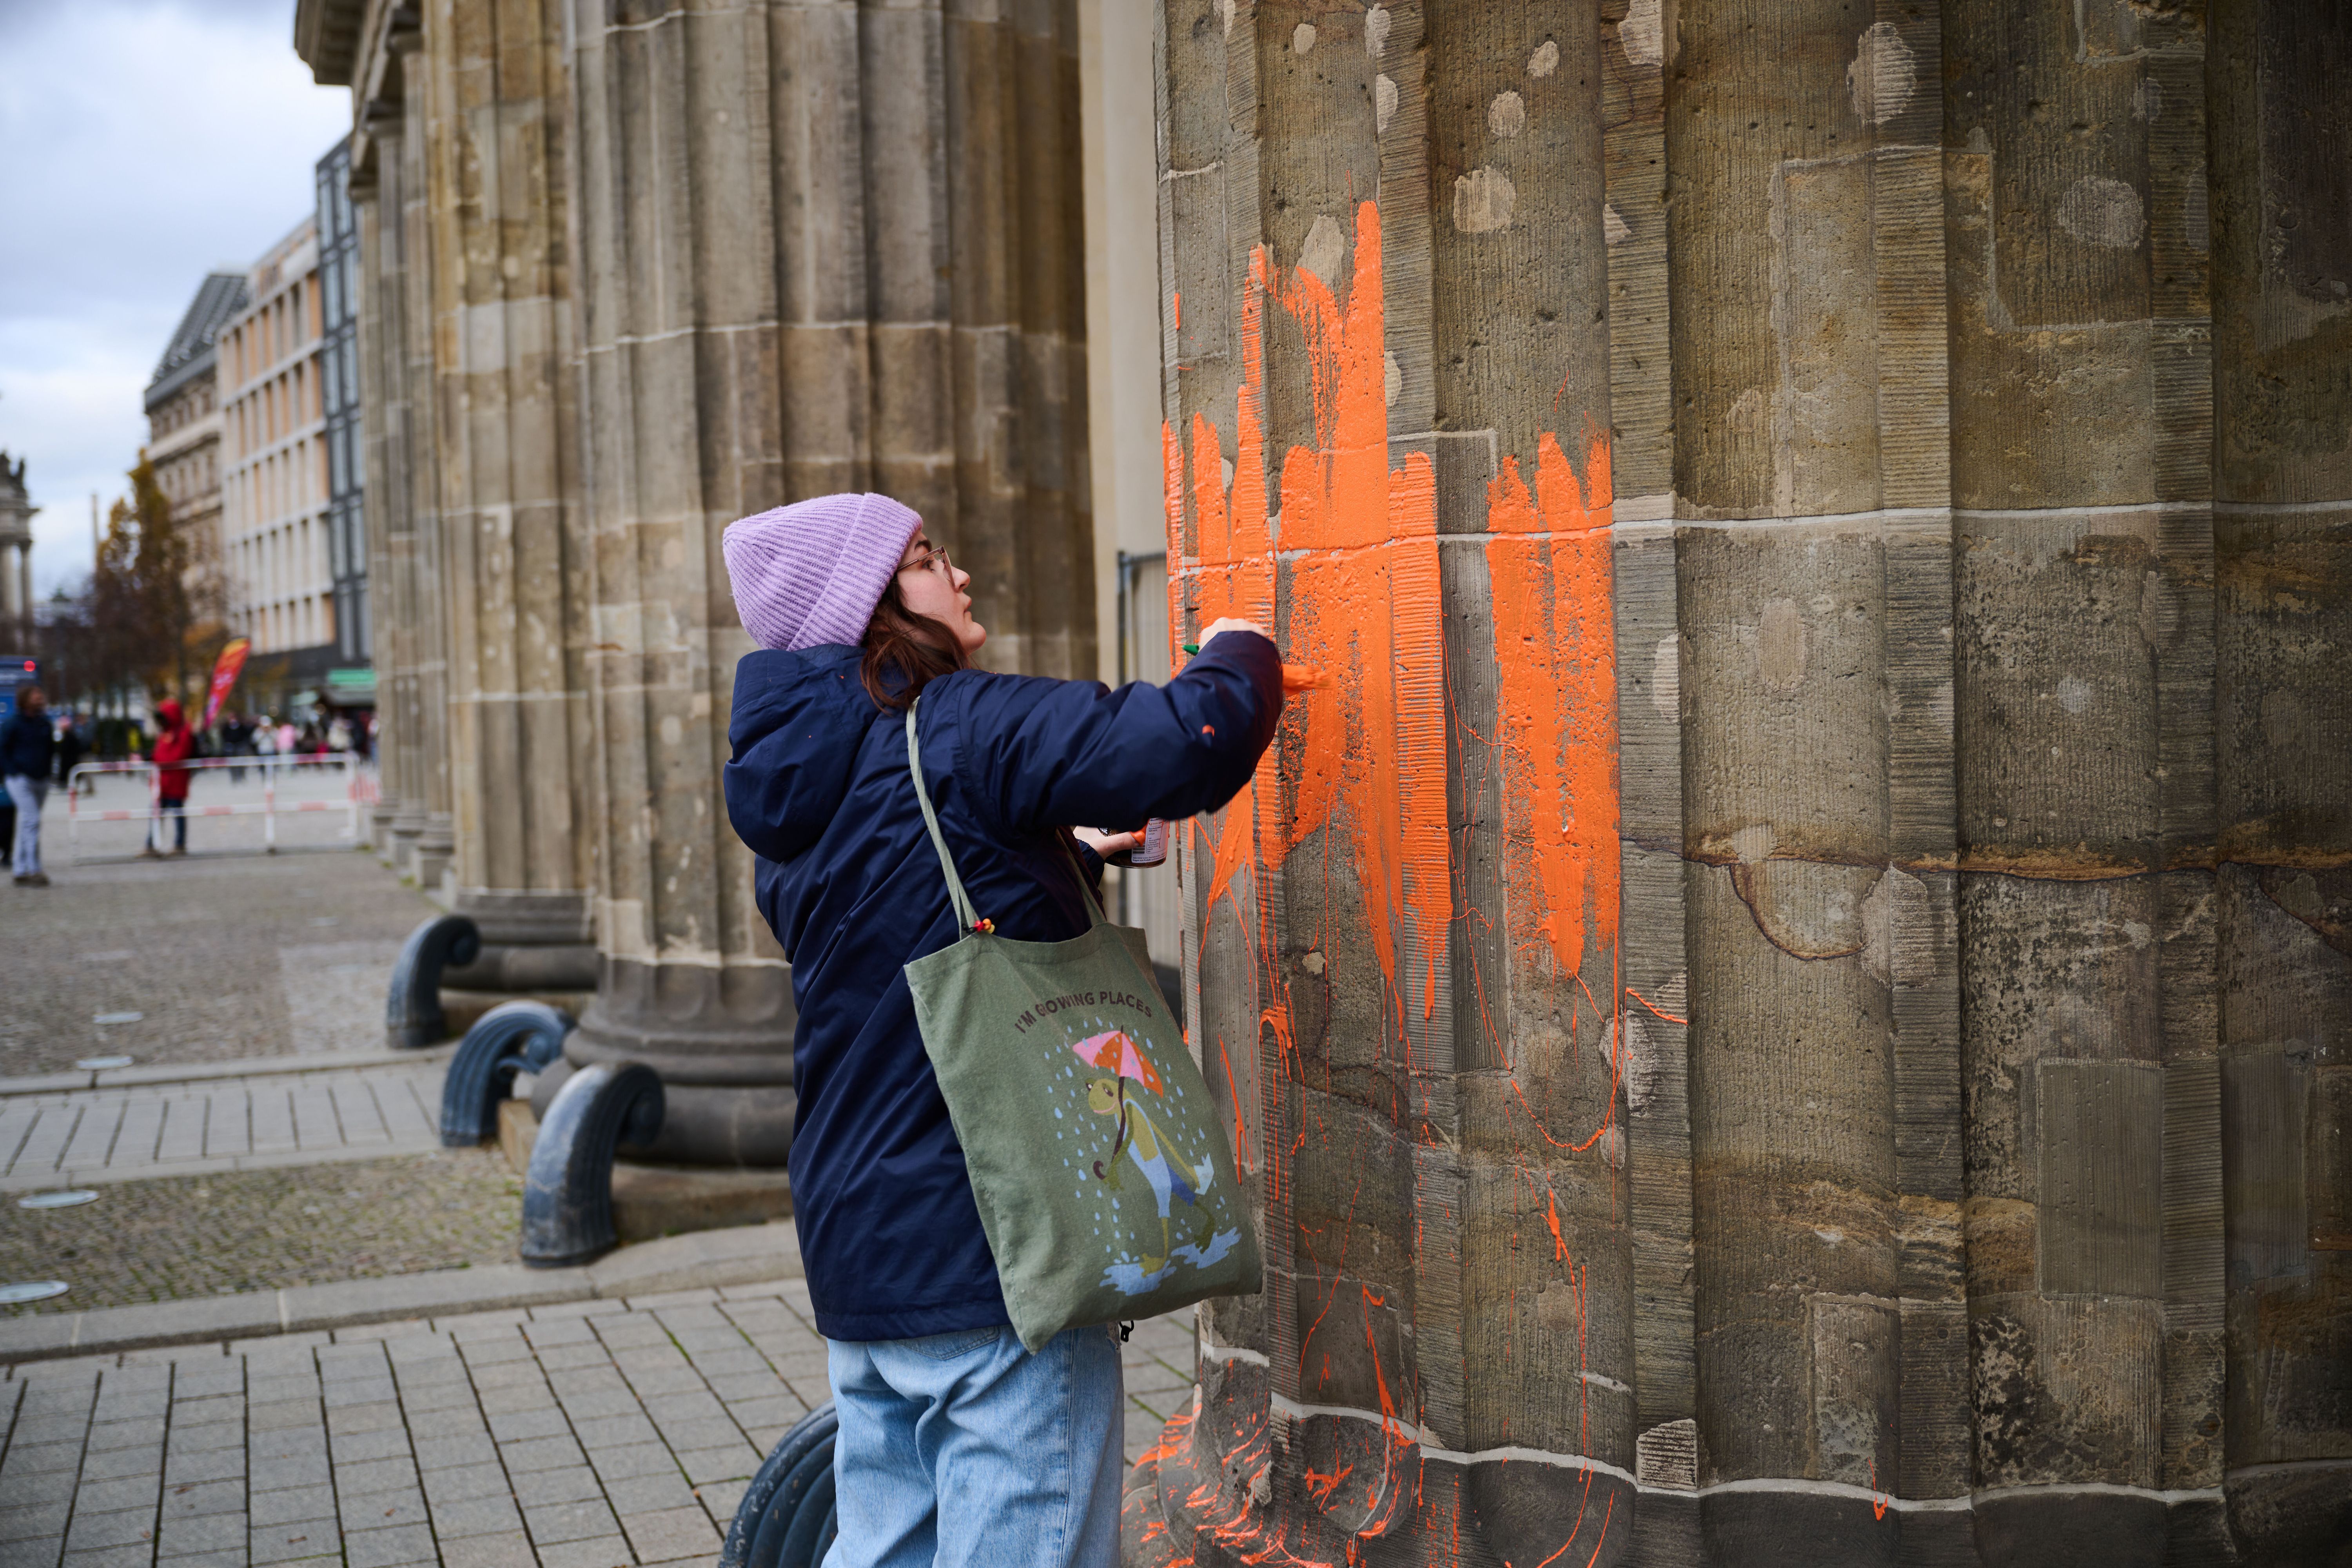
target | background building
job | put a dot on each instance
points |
(351, 682)
(183, 413)
(275, 545)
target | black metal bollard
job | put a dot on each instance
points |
(787, 1518)
(567, 1195)
(412, 1012)
(511, 1037)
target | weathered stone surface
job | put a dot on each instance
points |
(1982, 945)
(1802, 953)
(504, 400)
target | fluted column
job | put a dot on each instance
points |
(821, 246)
(2083, 591)
(397, 408)
(388, 628)
(1388, 395)
(426, 822)
(2280, 215)
(522, 765)
(1804, 282)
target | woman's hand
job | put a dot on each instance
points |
(1108, 843)
(1229, 623)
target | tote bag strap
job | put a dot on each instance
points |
(965, 914)
(967, 918)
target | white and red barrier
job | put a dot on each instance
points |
(358, 789)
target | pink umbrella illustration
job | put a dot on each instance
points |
(1114, 1052)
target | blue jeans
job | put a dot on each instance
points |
(24, 860)
(966, 1451)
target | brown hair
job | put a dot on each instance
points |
(905, 652)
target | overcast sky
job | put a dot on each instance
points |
(143, 144)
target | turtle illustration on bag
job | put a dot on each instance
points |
(1166, 1172)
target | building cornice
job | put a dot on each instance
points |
(326, 35)
(360, 44)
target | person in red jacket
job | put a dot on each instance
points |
(175, 742)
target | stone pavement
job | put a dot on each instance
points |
(264, 1139)
(197, 1238)
(256, 1119)
(591, 1434)
(221, 959)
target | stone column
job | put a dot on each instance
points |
(1812, 610)
(821, 246)
(2082, 569)
(399, 434)
(1388, 397)
(426, 822)
(379, 265)
(2279, 213)
(506, 428)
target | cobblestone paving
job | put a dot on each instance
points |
(596, 1434)
(267, 1230)
(223, 958)
(222, 1123)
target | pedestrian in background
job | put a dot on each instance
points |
(956, 1444)
(237, 741)
(287, 739)
(72, 747)
(28, 749)
(175, 742)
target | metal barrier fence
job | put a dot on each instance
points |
(358, 790)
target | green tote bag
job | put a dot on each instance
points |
(1099, 1161)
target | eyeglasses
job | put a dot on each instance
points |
(933, 560)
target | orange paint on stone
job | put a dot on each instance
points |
(1556, 679)
(1364, 599)
(1362, 763)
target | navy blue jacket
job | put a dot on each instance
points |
(847, 879)
(27, 745)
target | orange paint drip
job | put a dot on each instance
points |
(1241, 1126)
(1235, 846)
(1653, 1007)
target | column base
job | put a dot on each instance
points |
(430, 856)
(721, 1040)
(530, 941)
(650, 1201)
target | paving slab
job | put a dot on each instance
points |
(486, 1301)
(388, 1481)
(254, 1119)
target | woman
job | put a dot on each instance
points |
(956, 1446)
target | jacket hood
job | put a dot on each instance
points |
(798, 720)
(168, 711)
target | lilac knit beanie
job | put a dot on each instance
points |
(810, 574)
